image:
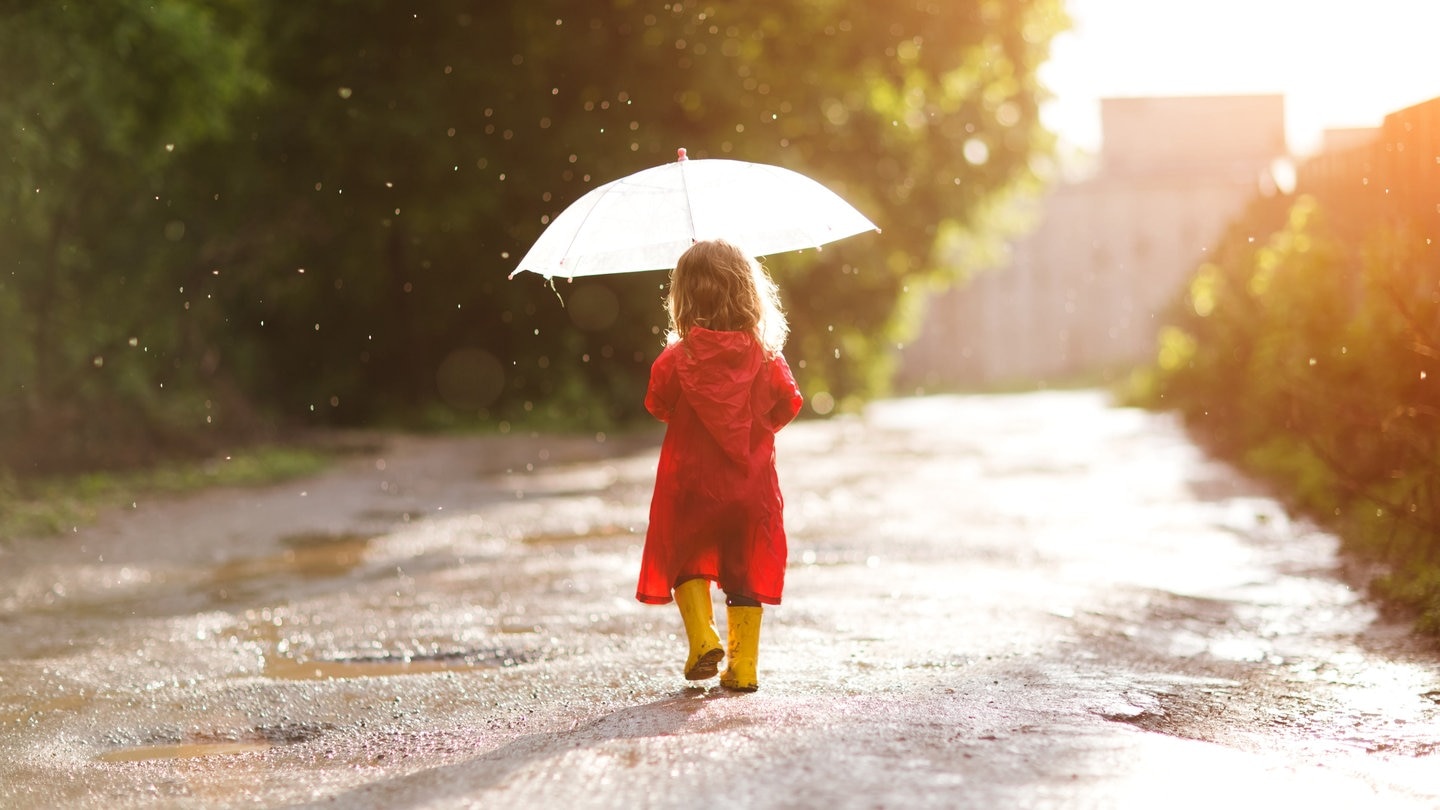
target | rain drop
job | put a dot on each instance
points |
(976, 152)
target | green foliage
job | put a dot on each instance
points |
(1417, 587)
(258, 212)
(1309, 350)
(102, 102)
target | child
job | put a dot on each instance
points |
(724, 389)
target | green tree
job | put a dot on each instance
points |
(407, 159)
(923, 114)
(100, 104)
(316, 206)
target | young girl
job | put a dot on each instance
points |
(724, 389)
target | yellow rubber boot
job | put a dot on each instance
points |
(744, 632)
(693, 598)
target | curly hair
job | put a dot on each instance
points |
(717, 286)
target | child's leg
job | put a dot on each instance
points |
(692, 596)
(743, 628)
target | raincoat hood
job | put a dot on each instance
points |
(717, 373)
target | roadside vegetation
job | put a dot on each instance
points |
(1308, 351)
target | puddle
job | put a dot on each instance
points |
(147, 753)
(27, 710)
(310, 556)
(381, 666)
(286, 669)
(317, 555)
(250, 741)
(387, 516)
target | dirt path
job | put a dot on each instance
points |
(1016, 601)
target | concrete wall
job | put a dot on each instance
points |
(1087, 288)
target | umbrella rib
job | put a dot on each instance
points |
(605, 189)
(685, 191)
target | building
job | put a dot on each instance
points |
(1393, 170)
(1086, 289)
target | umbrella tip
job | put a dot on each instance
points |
(680, 154)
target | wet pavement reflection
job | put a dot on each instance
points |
(1030, 600)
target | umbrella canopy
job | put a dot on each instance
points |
(646, 220)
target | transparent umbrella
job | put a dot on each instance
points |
(646, 220)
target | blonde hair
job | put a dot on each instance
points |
(717, 286)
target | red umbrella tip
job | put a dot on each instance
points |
(680, 154)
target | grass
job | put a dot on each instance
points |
(50, 506)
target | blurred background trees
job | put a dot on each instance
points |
(220, 218)
(98, 263)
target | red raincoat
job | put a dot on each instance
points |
(716, 511)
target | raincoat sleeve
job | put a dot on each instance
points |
(787, 394)
(664, 390)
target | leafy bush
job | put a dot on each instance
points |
(1308, 351)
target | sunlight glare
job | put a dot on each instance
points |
(1339, 65)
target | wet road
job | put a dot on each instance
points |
(1012, 601)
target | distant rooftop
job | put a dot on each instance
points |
(1191, 133)
(1340, 139)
